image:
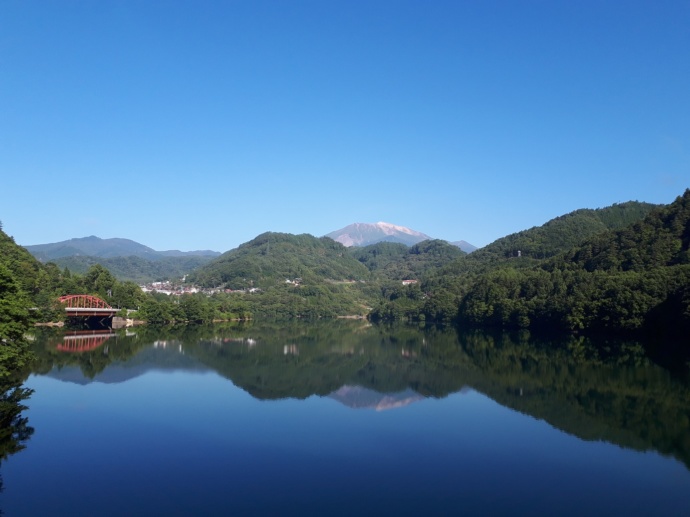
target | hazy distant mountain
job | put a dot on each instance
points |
(465, 246)
(195, 253)
(364, 234)
(106, 248)
(136, 269)
(126, 259)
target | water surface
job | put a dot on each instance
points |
(344, 418)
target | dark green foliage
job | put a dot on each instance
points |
(377, 256)
(20, 277)
(126, 295)
(99, 281)
(23, 266)
(629, 280)
(18, 274)
(159, 309)
(398, 262)
(155, 311)
(392, 264)
(14, 426)
(661, 239)
(608, 270)
(325, 300)
(529, 247)
(15, 320)
(39, 284)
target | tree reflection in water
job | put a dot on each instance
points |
(14, 427)
(608, 390)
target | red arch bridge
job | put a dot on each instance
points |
(86, 306)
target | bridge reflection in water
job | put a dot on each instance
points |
(84, 340)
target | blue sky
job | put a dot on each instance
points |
(199, 125)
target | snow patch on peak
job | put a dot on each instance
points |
(363, 234)
(391, 229)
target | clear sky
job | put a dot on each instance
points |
(201, 124)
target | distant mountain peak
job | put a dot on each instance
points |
(465, 246)
(364, 234)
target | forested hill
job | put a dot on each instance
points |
(395, 261)
(272, 258)
(23, 266)
(20, 273)
(661, 239)
(554, 237)
(633, 279)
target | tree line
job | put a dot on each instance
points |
(632, 279)
(624, 268)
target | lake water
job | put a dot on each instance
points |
(345, 418)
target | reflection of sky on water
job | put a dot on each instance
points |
(181, 443)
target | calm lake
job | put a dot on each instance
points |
(346, 418)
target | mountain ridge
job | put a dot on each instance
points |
(94, 246)
(355, 234)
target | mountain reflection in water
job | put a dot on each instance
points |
(295, 419)
(358, 397)
(606, 390)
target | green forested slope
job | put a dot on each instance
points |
(42, 284)
(661, 239)
(392, 261)
(554, 237)
(633, 279)
(19, 275)
(272, 258)
(606, 269)
(296, 276)
(15, 320)
(377, 257)
(23, 266)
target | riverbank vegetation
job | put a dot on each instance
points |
(16, 319)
